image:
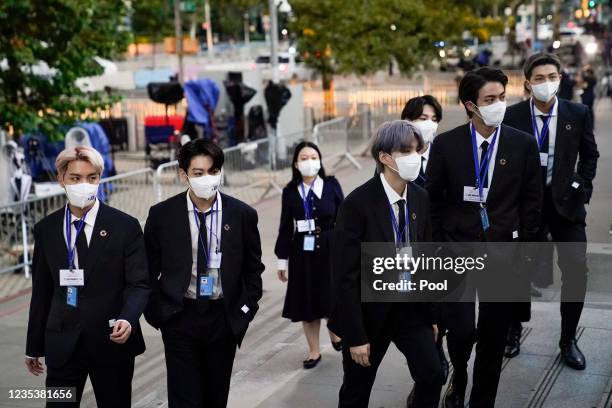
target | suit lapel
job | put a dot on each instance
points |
(412, 213)
(561, 137)
(228, 230)
(58, 246)
(381, 209)
(499, 170)
(102, 233)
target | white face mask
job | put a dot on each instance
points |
(408, 166)
(545, 91)
(205, 186)
(428, 129)
(81, 195)
(309, 168)
(492, 115)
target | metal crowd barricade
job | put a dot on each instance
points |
(332, 137)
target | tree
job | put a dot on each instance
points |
(346, 36)
(61, 37)
(152, 19)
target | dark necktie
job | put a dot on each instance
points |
(81, 245)
(202, 302)
(422, 172)
(484, 170)
(544, 147)
(402, 219)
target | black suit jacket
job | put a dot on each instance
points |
(116, 287)
(575, 154)
(364, 217)
(515, 196)
(168, 242)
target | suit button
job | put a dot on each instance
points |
(318, 246)
(314, 208)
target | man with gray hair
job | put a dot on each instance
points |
(386, 209)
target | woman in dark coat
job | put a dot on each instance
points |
(303, 247)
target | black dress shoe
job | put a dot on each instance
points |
(513, 344)
(410, 399)
(454, 398)
(337, 345)
(311, 362)
(445, 365)
(572, 356)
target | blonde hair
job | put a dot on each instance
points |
(85, 153)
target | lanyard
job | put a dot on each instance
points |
(485, 160)
(307, 204)
(213, 224)
(534, 124)
(79, 228)
(399, 235)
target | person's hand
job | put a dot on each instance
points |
(361, 355)
(121, 332)
(282, 275)
(34, 366)
(435, 332)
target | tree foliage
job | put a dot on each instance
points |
(64, 35)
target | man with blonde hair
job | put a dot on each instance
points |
(89, 287)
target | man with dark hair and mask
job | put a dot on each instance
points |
(205, 267)
(483, 183)
(568, 162)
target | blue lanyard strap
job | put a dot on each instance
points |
(399, 234)
(534, 124)
(213, 224)
(79, 228)
(485, 160)
(306, 203)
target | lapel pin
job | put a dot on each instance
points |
(414, 216)
(568, 127)
(503, 162)
(226, 227)
(103, 233)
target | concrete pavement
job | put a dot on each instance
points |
(268, 373)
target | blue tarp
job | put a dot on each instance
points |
(202, 98)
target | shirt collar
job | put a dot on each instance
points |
(392, 195)
(480, 138)
(90, 217)
(317, 187)
(426, 154)
(537, 112)
(215, 207)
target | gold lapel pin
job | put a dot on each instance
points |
(568, 127)
(502, 162)
(103, 233)
(226, 227)
(414, 216)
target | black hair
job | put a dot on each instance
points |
(296, 176)
(473, 81)
(414, 107)
(541, 58)
(395, 136)
(200, 147)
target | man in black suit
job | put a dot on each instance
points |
(482, 179)
(205, 266)
(387, 208)
(568, 153)
(89, 287)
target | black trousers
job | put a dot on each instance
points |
(490, 337)
(200, 350)
(111, 382)
(416, 343)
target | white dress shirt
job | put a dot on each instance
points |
(479, 140)
(90, 220)
(393, 198)
(215, 246)
(552, 135)
(317, 189)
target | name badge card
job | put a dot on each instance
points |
(215, 260)
(471, 194)
(71, 296)
(309, 243)
(484, 218)
(72, 277)
(405, 276)
(543, 159)
(206, 285)
(306, 225)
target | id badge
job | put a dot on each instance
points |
(543, 159)
(404, 280)
(215, 260)
(71, 296)
(306, 225)
(484, 218)
(470, 194)
(206, 285)
(309, 243)
(72, 277)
